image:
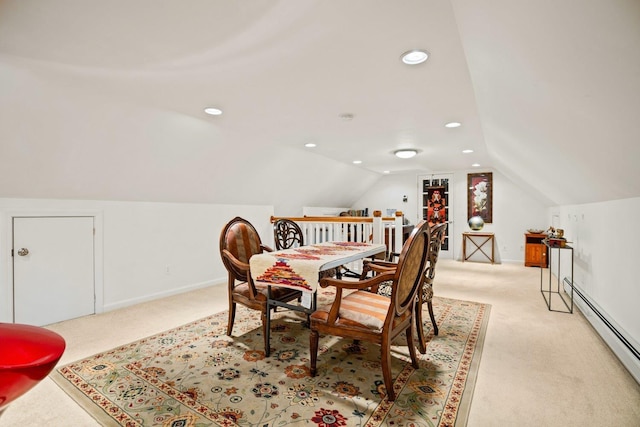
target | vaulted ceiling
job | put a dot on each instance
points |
(104, 100)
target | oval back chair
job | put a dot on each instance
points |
(368, 316)
(239, 241)
(426, 296)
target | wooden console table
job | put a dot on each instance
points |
(483, 240)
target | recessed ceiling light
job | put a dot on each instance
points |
(414, 57)
(346, 116)
(476, 165)
(213, 111)
(387, 172)
(453, 125)
(309, 145)
(467, 151)
(357, 162)
(405, 154)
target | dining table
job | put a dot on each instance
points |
(300, 268)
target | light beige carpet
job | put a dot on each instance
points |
(538, 368)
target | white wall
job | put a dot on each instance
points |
(605, 238)
(514, 211)
(139, 241)
(387, 193)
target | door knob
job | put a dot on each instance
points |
(23, 251)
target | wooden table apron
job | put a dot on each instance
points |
(299, 268)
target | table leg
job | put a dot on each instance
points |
(464, 248)
(267, 338)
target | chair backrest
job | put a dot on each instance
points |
(287, 234)
(411, 268)
(242, 240)
(437, 233)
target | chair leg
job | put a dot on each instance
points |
(433, 319)
(313, 349)
(422, 341)
(412, 347)
(232, 316)
(386, 371)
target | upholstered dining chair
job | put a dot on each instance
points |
(368, 316)
(239, 241)
(437, 235)
(426, 295)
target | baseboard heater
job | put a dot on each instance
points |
(612, 328)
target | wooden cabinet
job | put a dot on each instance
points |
(535, 251)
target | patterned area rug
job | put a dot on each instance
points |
(195, 375)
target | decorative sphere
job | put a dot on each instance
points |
(476, 223)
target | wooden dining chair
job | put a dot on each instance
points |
(287, 234)
(437, 235)
(239, 241)
(426, 295)
(368, 316)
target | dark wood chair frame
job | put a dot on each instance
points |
(426, 295)
(236, 261)
(406, 280)
(287, 234)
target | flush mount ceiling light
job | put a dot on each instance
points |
(475, 165)
(405, 154)
(467, 151)
(309, 145)
(453, 125)
(213, 111)
(357, 162)
(414, 57)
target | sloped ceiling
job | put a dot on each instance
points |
(557, 86)
(104, 100)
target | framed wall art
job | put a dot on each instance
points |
(480, 195)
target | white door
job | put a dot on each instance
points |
(436, 205)
(53, 271)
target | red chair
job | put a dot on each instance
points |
(27, 355)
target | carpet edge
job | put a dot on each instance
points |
(95, 411)
(474, 367)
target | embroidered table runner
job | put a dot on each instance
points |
(298, 268)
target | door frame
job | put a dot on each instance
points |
(6, 285)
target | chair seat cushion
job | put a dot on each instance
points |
(384, 288)
(366, 308)
(361, 309)
(277, 292)
(427, 292)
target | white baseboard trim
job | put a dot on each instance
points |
(619, 341)
(164, 294)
